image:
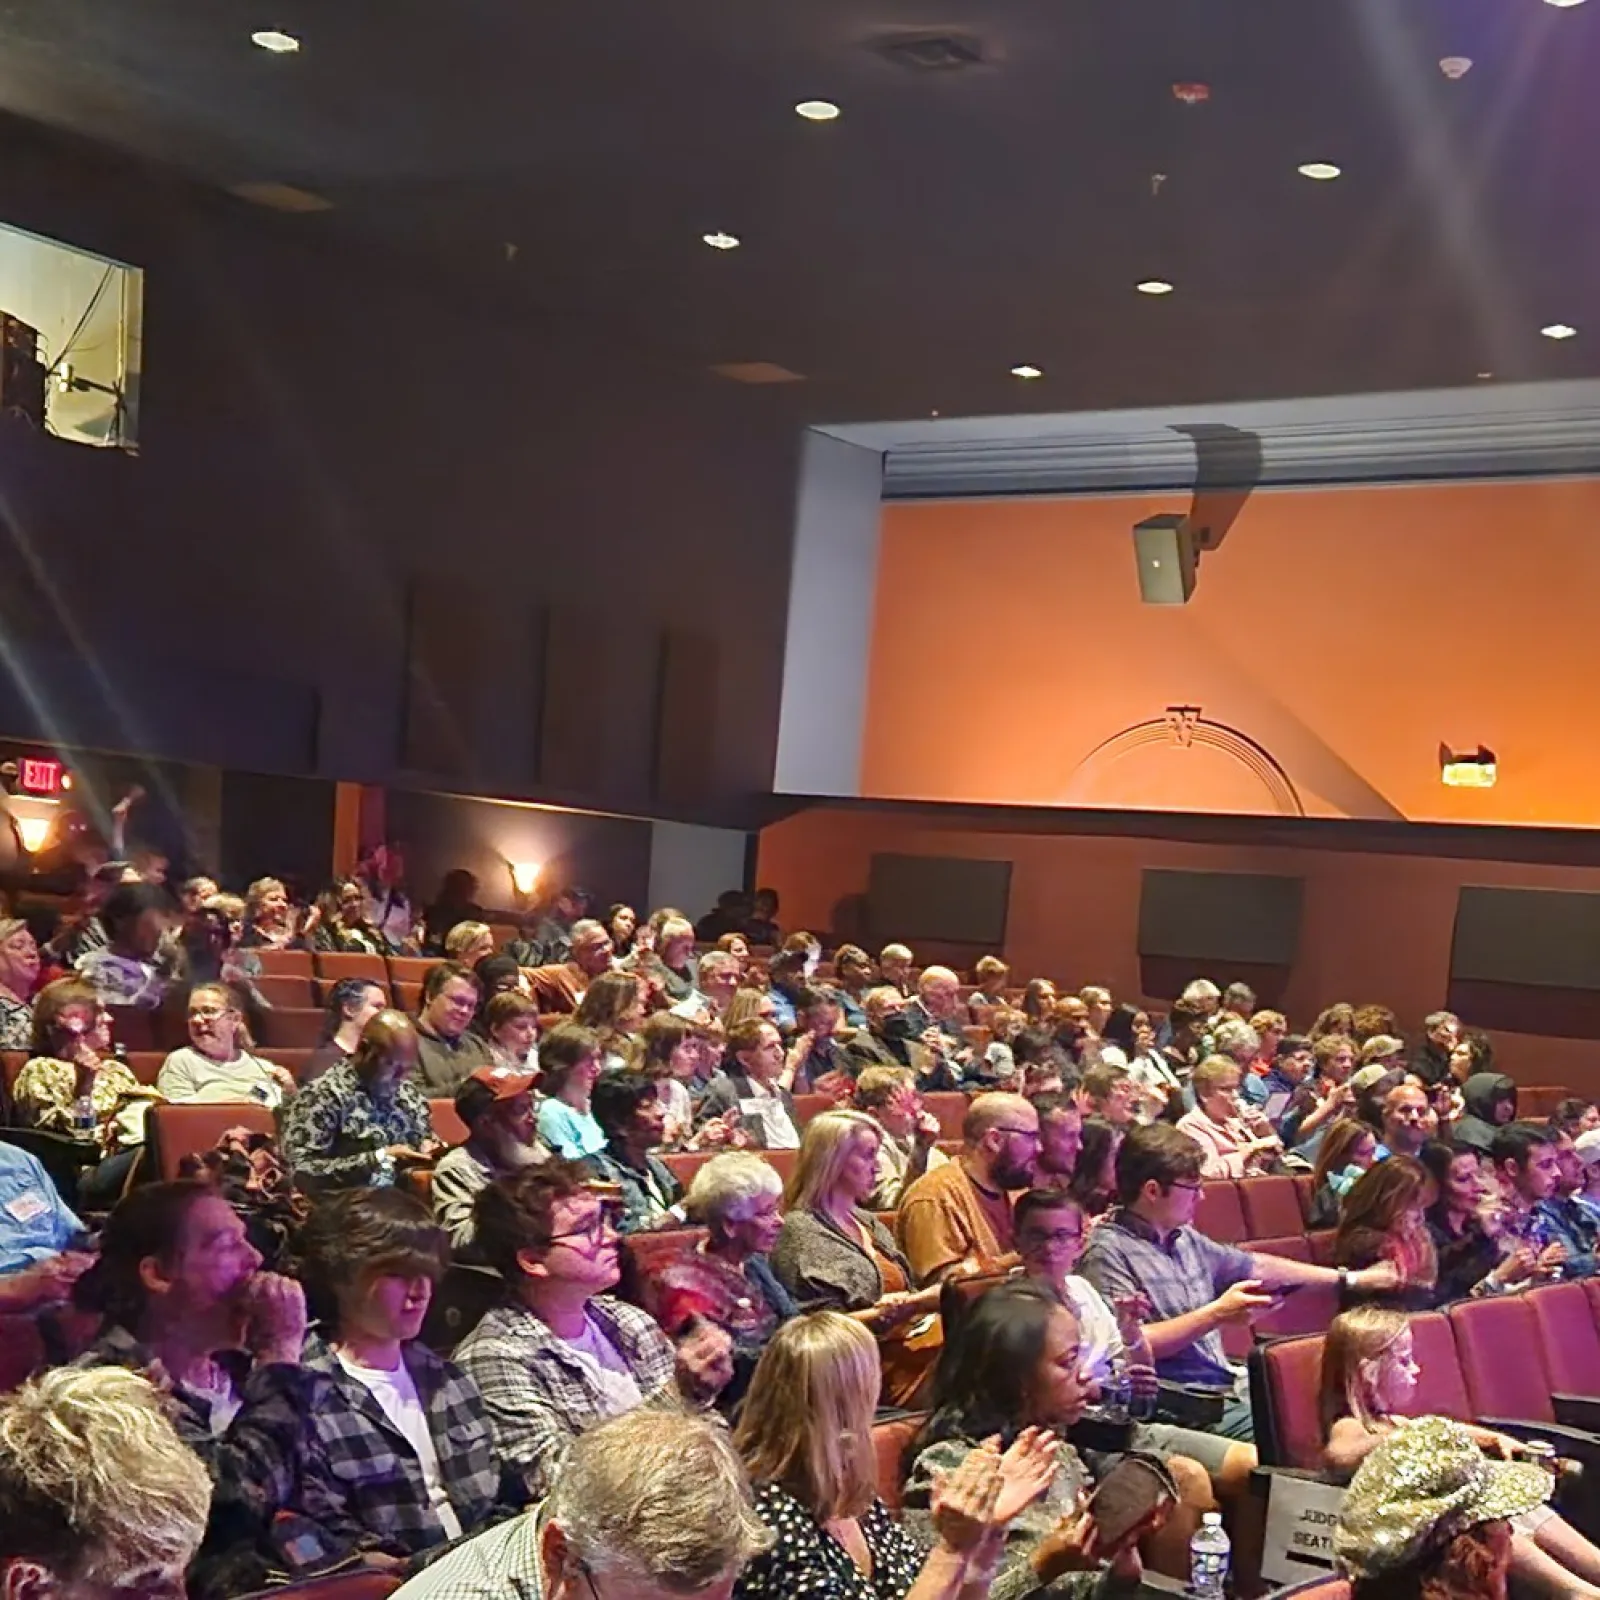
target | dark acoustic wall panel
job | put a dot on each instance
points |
(578, 683)
(443, 660)
(1545, 937)
(941, 898)
(686, 718)
(1240, 917)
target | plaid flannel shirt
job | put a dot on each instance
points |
(254, 1462)
(538, 1395)
(362, 1483)
(335, 1133)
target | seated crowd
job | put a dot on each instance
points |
(629, 1335)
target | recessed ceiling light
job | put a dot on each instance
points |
(280, 44)
(1154, 286)
(1559, 330)
(1563, 2)
(721, 241)
(817, 110)
(1025, 371)
(1322, 171)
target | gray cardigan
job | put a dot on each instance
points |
(826, 1270)
(1016, 1579)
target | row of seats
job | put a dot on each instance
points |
(1532, 1358)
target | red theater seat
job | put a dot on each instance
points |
(286, 963)
(1498, 1346)
(1287, 1376)
(287, 992)
(1441, 1386)
(1569, 1342)
(1220, 1215)
(294, 1060)
(291, 1029)
(1271, 1207)
(1307, 1309)
(951, 1110)
(333, 966)
(890, 1441)
(176, 1131)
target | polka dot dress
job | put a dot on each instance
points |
(807, 1563)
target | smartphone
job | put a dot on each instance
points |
(1136, 1486)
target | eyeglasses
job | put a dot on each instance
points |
(594, 1232)
(1039, 1239)
(1193, 1188)
(1020, 1133)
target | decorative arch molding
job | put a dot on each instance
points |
(1185, 728)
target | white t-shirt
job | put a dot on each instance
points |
(397, 1393)
(1099, 1339)
(610, 1373)
(765, 1106)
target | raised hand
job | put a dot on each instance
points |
(1027, 1470)
(963, 1502)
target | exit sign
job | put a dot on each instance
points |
(36, 775)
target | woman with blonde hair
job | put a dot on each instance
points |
(834, 1255)
(268, 916)
(469, 943)
(1383, 1219)
(806, 1440)
(1369, 1377)
(748, 1005)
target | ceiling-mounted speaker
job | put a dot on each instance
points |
(1167, 556)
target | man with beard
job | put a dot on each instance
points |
(959, 1216)
(497, 1107)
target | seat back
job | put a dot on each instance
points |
(1285, 1377)
(175, 1131)
(807, 1106)
(22, 1351)
(1331, 1587)
(1305, 1192)
(890, 1441)
(951, 1110)
(1220, 1215)
(291, 1028)
(683, 1164)
(145, 1064)
(289, 990)
(783, 1162)
(1309, 1308)
(332, 966)
(285, 963)
(958, 1295)
(1569, 1342)
(1498, 1348)
(1441, 1385)
(1271, 1207)
(294, 1060)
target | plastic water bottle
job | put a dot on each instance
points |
(83, 1116)
(1209, 1552)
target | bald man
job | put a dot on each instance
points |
(958, 1217)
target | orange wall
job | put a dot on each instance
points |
(1348, 631)
(1375, 927)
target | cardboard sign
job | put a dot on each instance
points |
(1301, 1515)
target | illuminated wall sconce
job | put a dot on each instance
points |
(1472, 769)
(35, 820)
(525, 875)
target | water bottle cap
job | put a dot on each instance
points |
(1211, 1519)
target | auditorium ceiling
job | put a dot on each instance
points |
(1002, 176)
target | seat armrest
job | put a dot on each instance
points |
(1261, 1478)
(1578, 1411)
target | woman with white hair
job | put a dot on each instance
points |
(98, 1494)
(726, 1278)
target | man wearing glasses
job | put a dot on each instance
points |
(649, 1506)
(560, 1354)
(1149, 1246)
(957, 1218)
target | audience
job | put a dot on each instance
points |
(496, 1106)
(448, 1051)
(628, 1107)
(1470, 1259)
(1233, 1146)
(1061, 1128)
(19, 973)
(886, 1038)
(650, 1505)
(1430, 1064)
(909, 1146)
(895, 962)
(468, 943)
(75, 1087)
(990, 975)
(1093, 1182)
(364, 1122)
(1148, 1246)
(38, 1230)
(217, 1063)
(1382, 1220)
(269, 919)
(123, 971)
(612, 1009)
(559, 1353)
(352, 1004)
(853, 975)
(1405, 1122)
(672, 1052)
(1347, 1149)
(621, 923)
(560, 986)
(1527, 1162)
(1490, 1102)
(1015, 1371)
(806, 1440)
(569, 1066)
(98, 1493)
(1369, 1378)
(668, 962)
(511, 1029)
(398, 1455)
(726, 1277)
(750, 1090)
(1110, 1093)
(833, 1254)
(717, 977)
(959, 1216)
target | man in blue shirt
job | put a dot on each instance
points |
(35, 1222)
(1530, 1163)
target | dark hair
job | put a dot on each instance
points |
(1100, 1080)
(1099, 1136)
(457, 886)
(1292, 1044)
(1039, 1200)
(1569, 1113)
(516, 1213)
(1516, 1142)
(1037, 1044)
(1182, 1014)
(443, 972)
(1438, 1155)
(616, 1097)
(357, 1234)
(565, 1046)
(1119, 1027)
(127, 903)
(1371, 1020)
(1159, 1153)
(809, 1000)
(342, 997)
(145, 1223)
(1047, 1105)
(986, 1370)
(496, 972)
(746, 1035)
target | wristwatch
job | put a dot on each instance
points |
(1344, 1280)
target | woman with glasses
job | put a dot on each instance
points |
(832, 1255)
(560, 1353)
(217, 1063)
